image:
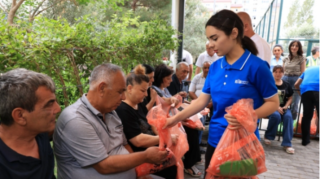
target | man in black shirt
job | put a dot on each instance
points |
(28, 109)
(176, 85)
(283, 113)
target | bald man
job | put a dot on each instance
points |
(264, 51)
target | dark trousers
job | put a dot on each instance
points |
(168, 173)
(309, 100)
(193, 155)
(208, 156)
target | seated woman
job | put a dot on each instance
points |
(283, 113)
(138, 132)
(163, 78)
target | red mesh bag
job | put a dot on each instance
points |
(194, 121)
(239, 153)
(313, 126)
(181, 146)
(157, 117)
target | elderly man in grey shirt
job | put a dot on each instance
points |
(88, 139)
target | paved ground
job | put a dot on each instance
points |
(304, 164)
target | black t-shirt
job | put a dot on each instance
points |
(284, 92)
(16, 166)
(144, 103)
(175, 86)
(134, 123)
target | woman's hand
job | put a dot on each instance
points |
(280, 110)
(174, 138)
(233, 122)
(174, 101)
(183, 94)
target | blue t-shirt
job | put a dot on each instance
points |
(274, 62)
(310, 80)
(248, 77)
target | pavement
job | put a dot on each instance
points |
(303, 164)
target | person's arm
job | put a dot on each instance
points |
(303, 66)
(297, 85)
(192, 95)
(120, 163)
(196, 106)
(192, 88)
(198, 70)
(288, 103)
(190, 72)
(144, 140)
(153, 97)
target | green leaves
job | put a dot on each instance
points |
(68, 53)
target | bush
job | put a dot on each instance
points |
(67, 52)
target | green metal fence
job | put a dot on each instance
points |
(271, 28)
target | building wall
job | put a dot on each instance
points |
(255, 8)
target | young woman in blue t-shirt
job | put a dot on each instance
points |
(238, 74)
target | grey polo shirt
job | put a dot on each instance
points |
(81, 139)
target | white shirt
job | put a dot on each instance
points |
(206, 57)
(197, 84)
(264, 51)
(186, 57)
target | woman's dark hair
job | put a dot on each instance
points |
(275, 68)
(226, 20)
(161, 71)
(300, 51)
(280, 46)
(137, 76)
(149, 69)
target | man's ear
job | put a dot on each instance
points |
(102, 87)
(19, 116)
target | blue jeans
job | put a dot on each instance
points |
(296, 97)
(287, 132)
(201, 132)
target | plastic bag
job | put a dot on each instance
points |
(148, 168)
(239, 153)
(157, 117)
(194, 121)
(205, 111)
(313, 126)
(181, 146)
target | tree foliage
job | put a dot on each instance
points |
(300, 20)
(67, 52)
(30, 8)
(194, 28)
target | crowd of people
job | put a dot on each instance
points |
(105, 133)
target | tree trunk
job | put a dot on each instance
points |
(15, 6)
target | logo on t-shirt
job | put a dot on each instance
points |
(238, 81)
(281, 94)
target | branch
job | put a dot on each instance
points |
(40, 4)
(15, 6)
(43, 10)
(3, 8)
